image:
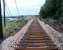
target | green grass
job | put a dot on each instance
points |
(11, 25)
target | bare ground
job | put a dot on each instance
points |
(57, 27)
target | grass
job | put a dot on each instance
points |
(11, 25)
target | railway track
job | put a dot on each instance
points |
(37, 39)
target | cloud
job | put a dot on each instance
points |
(25, 7)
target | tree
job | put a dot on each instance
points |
(52, 9)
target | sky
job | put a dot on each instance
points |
(22, 7)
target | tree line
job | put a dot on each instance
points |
(52, 9)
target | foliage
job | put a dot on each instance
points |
(11, 25)
(52, 9)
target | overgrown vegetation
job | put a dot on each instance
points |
(52, 9)
(13, 24)
(52, 13)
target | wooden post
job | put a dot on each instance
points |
(1, 31)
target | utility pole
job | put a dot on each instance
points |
(1, 29)
(4, 12)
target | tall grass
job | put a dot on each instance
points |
(11, 25)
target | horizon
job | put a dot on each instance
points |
(22, 7)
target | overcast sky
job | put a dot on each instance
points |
(23, 7)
